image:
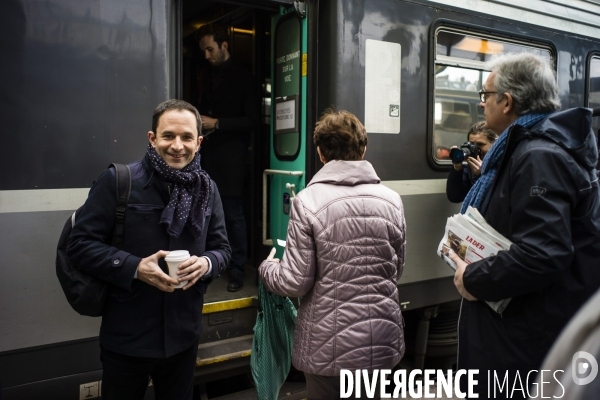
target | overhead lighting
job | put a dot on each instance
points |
(248, 31)
(479, 46)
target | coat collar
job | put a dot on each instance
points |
(346, 173)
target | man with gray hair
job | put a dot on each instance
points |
(539, 188)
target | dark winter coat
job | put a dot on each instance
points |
(236, 105)
(139, 319)
(459, 183)
(546, 200)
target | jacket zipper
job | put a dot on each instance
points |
(458, 332)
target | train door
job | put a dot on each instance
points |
(288, 133)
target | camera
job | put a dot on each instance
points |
(466, 150)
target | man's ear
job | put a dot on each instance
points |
(509, 103)
(225, 46)
(200, 138)
(152, 138)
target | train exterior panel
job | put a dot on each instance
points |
(82, 79)
(404, 160)
(80, 82)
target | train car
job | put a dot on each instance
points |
(81, 79)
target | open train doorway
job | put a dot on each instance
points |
(248, 25)
(229, 316)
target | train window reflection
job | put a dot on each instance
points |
(459, 75)
(594, 90)
(456, 106)
(459, 45)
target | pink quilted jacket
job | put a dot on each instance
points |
(344, 255)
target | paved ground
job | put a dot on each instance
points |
(297, 391)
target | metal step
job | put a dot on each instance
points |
(224, 350)
(289, 391)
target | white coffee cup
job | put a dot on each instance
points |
(173, 259)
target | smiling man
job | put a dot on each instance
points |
(174, 140)
(229, 107)
(539, 188)
(149, 329)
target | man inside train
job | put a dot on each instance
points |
(539, 188)
(229, 108)
(150, 329)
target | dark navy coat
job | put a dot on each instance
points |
(546, 200)
(139, 319)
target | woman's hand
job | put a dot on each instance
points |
(272, 255)
(475, 165)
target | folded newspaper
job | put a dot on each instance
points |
(472, 239)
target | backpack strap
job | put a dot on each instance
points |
(123, 174)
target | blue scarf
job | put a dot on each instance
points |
(478, 197)
(192, 191)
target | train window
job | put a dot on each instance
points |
(594, 89)
(459, 75)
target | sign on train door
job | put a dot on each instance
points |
(288, 128)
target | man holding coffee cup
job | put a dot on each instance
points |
(149, 328)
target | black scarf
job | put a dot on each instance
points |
(192, 190)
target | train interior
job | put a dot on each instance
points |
(249, 26)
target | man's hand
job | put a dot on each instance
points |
(192, 269)
(272, 255)
(458, 276)
(475, 165)
(148, 271)
(208, 122)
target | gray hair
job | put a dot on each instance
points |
(529, 79)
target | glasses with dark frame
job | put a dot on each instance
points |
(483, 95)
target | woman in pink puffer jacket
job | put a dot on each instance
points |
(344, 255)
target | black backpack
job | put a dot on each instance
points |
(86, 293)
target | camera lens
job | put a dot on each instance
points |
(458, 155)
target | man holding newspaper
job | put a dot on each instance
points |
(540, 246)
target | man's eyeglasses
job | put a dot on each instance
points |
(483, 95)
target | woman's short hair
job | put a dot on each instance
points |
(479, 128)
(340, 136)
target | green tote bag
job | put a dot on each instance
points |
(272, 344)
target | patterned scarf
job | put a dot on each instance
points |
(478, 195)
(192, 190)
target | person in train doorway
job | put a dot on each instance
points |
(461, 178)
(539, 188)
(229, 109)
(149, 329)
(344, 254)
